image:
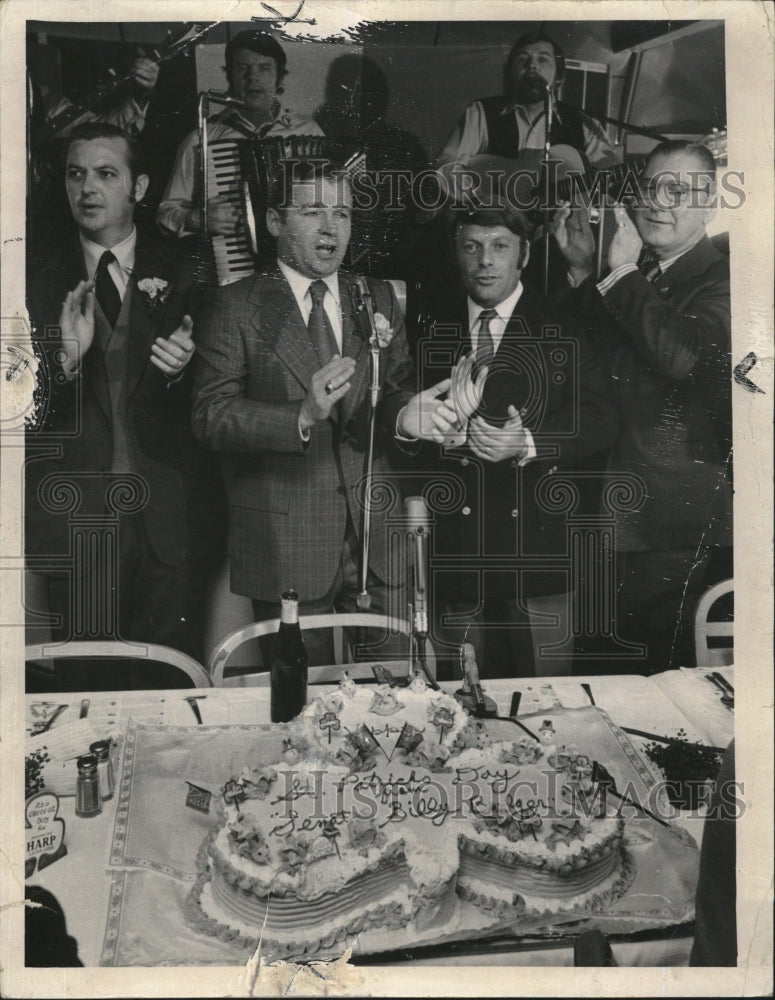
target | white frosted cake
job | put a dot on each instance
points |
(388, 806)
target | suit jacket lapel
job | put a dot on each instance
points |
(279, 322)
(143, 329)
(68, 272)
(694, 262)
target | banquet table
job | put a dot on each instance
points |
(82, 879)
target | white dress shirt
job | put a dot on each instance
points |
(331, 302)
(119, 269)
(497, 323)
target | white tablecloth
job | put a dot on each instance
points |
(79, 880)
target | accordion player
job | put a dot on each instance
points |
(241, 171)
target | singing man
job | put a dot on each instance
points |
(282, 390)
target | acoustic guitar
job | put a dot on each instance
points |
(534, 185)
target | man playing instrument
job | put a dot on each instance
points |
(508, 125)
(255, 68)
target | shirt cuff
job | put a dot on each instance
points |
(531, 452)
(576, 282)
(618, 272)
(398, 434)
(304, 435)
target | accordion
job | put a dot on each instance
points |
(241, 171)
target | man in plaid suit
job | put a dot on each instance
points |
(282, 390)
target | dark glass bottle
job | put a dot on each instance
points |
(289, 663)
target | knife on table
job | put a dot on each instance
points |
(192, 700)
(723, 682)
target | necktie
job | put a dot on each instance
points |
(319, 326)
(649, 266)
(106, 291)
(485, 347)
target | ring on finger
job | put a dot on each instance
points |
(329, 388)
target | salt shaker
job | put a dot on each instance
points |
(101, 750)
(88, 801)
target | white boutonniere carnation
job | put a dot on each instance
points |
(383, 330)
(155, 289)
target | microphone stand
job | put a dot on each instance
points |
(202, 114)
(362, 299)
(549, 121)
(206, 98)
(419, 611)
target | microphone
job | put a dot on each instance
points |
(222, 97)
(418, 527)
(361, 294)
(549, 113)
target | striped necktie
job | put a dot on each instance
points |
(649, 266)
(485, 346)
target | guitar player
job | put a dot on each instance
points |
(497, 132)
(498, 145)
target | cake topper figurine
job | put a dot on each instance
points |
(471, 696)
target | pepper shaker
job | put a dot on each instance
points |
(88, 801)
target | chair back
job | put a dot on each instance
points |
(704, 628)
(109, 649)
(329, 674)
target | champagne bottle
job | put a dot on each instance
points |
(289, 663)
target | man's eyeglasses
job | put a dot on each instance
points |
(664, 193)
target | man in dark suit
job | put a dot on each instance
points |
(282, 390)
(663, 313)
(533, 404)
(112, 442)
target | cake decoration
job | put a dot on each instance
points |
(382, 675)
(347, 684)
(329, 721)
(385, 703)
(394, 824)
(257, 781)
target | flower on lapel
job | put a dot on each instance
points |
(383, 329)
(155, 290)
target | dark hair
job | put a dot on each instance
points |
(529, 38)
(696, 149)
(260, 42)
(299, 171)
(504, 215)
(104, 130)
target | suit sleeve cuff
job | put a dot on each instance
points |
(532, 451)
(618, 272)
(403, 437)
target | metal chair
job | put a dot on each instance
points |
(706, 655)
(113, 650)
(329, 674)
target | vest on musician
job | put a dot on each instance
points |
(115, 348)
(503, 133)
